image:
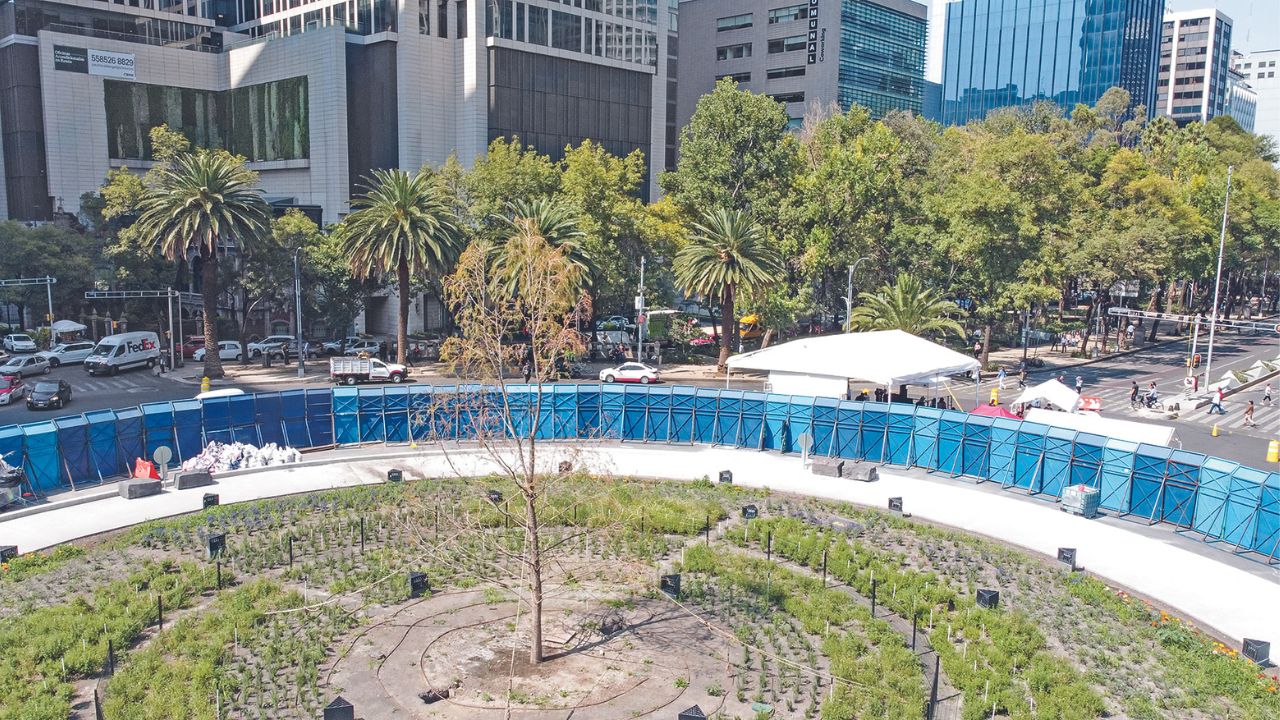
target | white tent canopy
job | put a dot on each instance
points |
(1109, 427)
(824, 365)
(67, 326)
(1052, 392)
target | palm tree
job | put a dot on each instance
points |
(201, 202)
(554, 221)
(729, 251)
(906, 305)
(403, 224)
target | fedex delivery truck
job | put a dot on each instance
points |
(114, 353)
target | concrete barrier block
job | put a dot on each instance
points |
(138, 487)
(193, 479)
(828, 468)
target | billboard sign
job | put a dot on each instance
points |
(94, 62)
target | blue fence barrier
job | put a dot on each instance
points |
(1213, 499)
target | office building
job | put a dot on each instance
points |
(1195, 60)
(1242, 100)
(1261, 69)
(801, 52)
(1016, 52)
(316, 94)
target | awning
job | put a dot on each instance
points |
(67, 326)
(885, 358)
(1107, 427)
(989, 410)
(1053, 393)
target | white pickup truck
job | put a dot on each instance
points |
(352, 370)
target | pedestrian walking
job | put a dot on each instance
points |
(1215, 404)
(1248, 415)
(1133, 393)
(1022, 378)
(1079, 384)
(1000, 376)
(977, 349)
(528, 372)
(1266, 394)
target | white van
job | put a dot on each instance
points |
(114, 353)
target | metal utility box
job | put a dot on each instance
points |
(726, 477)
(1081, 500)
(670, 584)
(209, 500)
(988, 599)
(339, 709)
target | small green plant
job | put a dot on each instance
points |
(682, 683)
(714, 690)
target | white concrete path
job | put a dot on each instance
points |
(1232, 600)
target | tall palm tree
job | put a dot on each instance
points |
(554, 221)
(906, 305)
(404, 224)
(201, 202)
(729, 251)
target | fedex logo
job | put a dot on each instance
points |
(140, 346)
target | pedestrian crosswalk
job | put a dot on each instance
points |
(110, 384)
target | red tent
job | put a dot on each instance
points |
(994, 411)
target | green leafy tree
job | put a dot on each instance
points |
(54, 250)
(402, 224)
(198, 204)
(907, 305)
(728, 253)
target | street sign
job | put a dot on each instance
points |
(639, 302)
(162, 455)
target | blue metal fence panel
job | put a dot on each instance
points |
(73, 444)
(951, 442)
(751, 433)
(799, 424)
(729, 417)
(104, 448)
(346, 415)
(244, 419)
(320, 416)
(293, 419)
(216, 415)
(372, 409)
(847, 439)
(1183, 481)
(520, 405)
(899, 440)
(1267, 537)
(588, 411)
(1211, 505)
(421, 407)
(977, 446)
(1029, 457)
(613, 406)
(658, 422)
(131, 436)
(43, 462)
(1117, 475)
(157, 423)
(269, 407)
(683, 400)
(634, 413)
(544, 397)
(873, 432)
(776, 409)
(11, 445)
(1244, 502)
(187, 429)
(1086, 461)
(1150, 467)
(925, 452)
(565, 400)
(1055, 473)
(826, 412)
(1004, 446)
(395, 413)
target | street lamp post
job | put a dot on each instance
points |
(848, 294)
(1217, 281)
(297, 299)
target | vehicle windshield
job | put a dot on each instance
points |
(60, 347)
(5, 383)
(102, 350)
(46, 387)
(22, 338)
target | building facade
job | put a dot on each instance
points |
(1242, 100)
(802, 52)
(1195, 61)
(1261, 70)
(1001, 53)
(317, 94)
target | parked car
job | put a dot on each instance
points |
(227, 350)
(19, 342)
(370, 347)
(67, 353)
(292, 348)
(615, 322)
(189, 346)
(258, 347)
(340, 345)
(12, 389)
(24, 365)
(49, 394)
(630, 372)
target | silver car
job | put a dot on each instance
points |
(24, 365)
(67, 353)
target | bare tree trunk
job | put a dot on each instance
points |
(402, 321)
(209, 293)
(986, 347)
(1158, 305)
(728, 329)
(533, 540)
(768, 338)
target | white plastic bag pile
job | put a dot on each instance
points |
(221, 457)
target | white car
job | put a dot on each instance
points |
(257, 348)
(67, 353)
(18, 342)
(227, 350)
(24, 365)
(370, 347)
(630, 372)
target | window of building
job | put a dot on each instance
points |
(785, 72)
(424, 16)
(786, 44)
(790, 13)
(460, 11)
(742, 77)
(566, 31)
(520, 21)
(793, 97)
(442, 18)
(1248, 65)
(733, 22)
(731, 52)
(537, 25)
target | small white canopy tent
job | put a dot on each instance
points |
(1053, 393)
(67, 326)
(1109, 427)
(825, 365)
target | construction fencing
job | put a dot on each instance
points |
(1209, 498)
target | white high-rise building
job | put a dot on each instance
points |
(1195, 56)
(1261, 69)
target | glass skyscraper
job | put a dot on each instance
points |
(999, 53)
(881, 57)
